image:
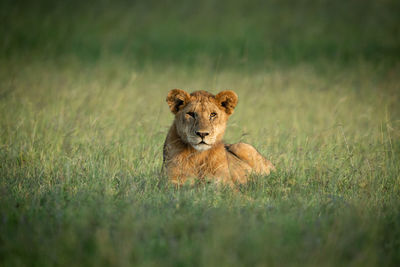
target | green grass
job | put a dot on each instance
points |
(83, 120)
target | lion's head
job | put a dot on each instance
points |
(200, 117)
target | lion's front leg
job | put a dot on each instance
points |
(177, 176)
(222, 175)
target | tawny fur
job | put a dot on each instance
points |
(194, 149)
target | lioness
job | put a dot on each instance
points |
(194, 148)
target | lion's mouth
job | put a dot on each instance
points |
(201, 146)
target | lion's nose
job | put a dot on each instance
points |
(202, 134)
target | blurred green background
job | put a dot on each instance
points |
(227, 33)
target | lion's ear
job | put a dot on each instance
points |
(177, 99)
(228, 100)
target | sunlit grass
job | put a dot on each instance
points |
(81, 153)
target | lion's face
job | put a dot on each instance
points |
(201, 117)
(201, 124)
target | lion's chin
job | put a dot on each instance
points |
(201, 147)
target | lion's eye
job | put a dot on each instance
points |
(213, 115)
(191, 114)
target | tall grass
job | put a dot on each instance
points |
(83, 123)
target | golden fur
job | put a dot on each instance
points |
(194, 148)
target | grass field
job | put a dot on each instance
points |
(83, 120)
